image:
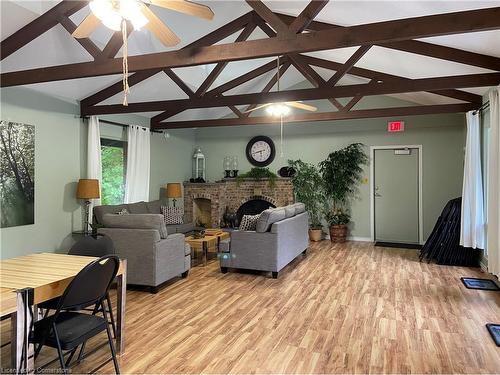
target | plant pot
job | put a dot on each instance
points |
(315, 234)
(338, 233)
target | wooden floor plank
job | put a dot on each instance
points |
(343, 308)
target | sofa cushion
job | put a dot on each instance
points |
(269, 217)
(138, 208)
(100, 211)
(249, 222)
(299, 208)
(154, 207)
(289, 211)
(136, 221)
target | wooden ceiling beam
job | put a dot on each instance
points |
(269, 85)
(418, 47)
(323, 116)
(297, 26)
(384, 88)
(348, 65)
(375, 33)
(305, 17)
(267, 14)
(179, 82)
(38, 26)
(312, 76)
(216, 71)
(382, 77)
(211, 38)
(257, 72)
(86, 43)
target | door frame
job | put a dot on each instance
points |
(420, 189)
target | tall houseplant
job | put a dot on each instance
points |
(308, 189)
(342, 171)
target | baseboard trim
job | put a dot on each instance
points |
(353, 238)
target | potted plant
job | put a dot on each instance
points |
(342, 171)
(308, 189)
(337, 221)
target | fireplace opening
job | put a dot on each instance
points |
(202, 212)
(253, 207)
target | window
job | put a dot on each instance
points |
(114, 162)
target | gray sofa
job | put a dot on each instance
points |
(153, 255)
(281, 235)
(153, 207)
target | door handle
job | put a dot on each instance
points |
(378, 194)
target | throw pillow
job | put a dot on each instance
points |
(249, 222)
(172, 215)
(123, 211)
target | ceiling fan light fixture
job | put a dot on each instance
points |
(131, 10)
(278, 109)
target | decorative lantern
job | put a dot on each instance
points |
(199, 166)
(226, 165)
(234, 166)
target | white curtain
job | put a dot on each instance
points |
(138, 160)
(94, 166)
(472, 221)
(493, 244)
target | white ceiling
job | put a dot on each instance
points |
(57, 47)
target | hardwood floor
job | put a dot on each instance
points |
(349, 308)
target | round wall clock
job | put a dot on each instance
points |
(260, 151)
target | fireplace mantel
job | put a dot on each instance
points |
(232, 193)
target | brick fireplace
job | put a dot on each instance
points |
(206, 202)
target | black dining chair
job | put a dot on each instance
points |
(95, 246)
(68, 328)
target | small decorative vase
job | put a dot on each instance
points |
(315, 234)
(338, 233)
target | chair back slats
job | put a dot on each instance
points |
(90, 285)
(95, 246)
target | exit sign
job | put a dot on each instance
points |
(395, 126)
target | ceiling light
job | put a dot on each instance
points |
(278, 109)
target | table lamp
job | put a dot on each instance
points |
(174, 191)
(87, 189)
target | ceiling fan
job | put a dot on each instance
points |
(283, 108)
(112, 13)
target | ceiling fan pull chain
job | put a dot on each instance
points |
(126, 88)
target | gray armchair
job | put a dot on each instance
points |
(153, 256)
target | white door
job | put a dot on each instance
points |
(396, 195)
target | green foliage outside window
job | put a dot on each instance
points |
(113, 174)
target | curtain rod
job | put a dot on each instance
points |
(120, 124)
(482, 108)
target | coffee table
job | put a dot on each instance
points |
(208, 243)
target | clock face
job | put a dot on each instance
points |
(260, 151)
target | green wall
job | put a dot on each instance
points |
(442, 138)
(60, 160)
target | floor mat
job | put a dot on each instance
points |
(494, 330)
(482, 284)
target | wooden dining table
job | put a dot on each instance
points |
(32, 279)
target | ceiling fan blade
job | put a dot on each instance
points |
(187, 7)
(159, 29)
(87, 27)
(303, 106)
(258, 107)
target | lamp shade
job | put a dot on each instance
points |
(87, 189)
(174, 190)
